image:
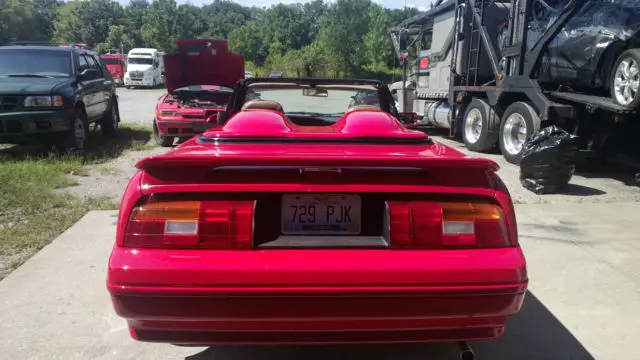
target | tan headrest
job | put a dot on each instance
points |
(263, 104)
(364, 107)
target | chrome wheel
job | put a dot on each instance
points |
(626, 81)
(79, 133)
(514, 134)
(473, 126)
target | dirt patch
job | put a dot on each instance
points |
(109, 179)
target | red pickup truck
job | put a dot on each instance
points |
(116, 64)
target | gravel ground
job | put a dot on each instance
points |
(137, 107)
(110, 179)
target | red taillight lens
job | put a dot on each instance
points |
(215, 224)
(443, 225)
(424, 63)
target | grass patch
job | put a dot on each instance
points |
(33, 213)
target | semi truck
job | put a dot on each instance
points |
(145, 67)
(494, 72)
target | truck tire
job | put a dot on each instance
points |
(624, 81)
(164, 141)
(74, 139)
(480, 127)
(110, 121)
(519, 122)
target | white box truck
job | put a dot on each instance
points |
(145, 68)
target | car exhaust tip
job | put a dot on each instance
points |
(466, 353)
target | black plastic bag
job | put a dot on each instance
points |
(548, 160)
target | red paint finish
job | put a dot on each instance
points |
(301, 296)
(116, 70)
(355, 124)
(202, 62)
(181, 119)
(202, 65)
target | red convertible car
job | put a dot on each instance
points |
(302, 220)
(199, 76)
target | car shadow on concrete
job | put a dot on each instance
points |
(100, 147)
(534, 334)
(581, 190)
(570, 190)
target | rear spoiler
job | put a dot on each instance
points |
(296, 160)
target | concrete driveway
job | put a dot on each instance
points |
(583, 303)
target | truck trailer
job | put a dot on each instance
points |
(495, 71)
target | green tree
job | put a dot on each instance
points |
(222, 17)
(117, 39)
(161, 27)
(274, 61)
(87, 21)
(314, 11)
(314, 60)
(377, 42)
(286, 25)
(316, 38)
(18, 18)
(68, 27)
(46, 13)
(342, 31)
(134, 20)
(96, 17)
(249, 41)
(191, 24)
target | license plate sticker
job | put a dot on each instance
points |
(321, 214)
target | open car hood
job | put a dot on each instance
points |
(202, 61)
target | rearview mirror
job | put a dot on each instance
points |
(315, 92)
(408, 118)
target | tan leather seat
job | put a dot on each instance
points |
(364, 107)
(263, 104)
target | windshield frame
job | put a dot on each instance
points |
(243, 88)
(325, 108)
(136, 58)
(40, 52)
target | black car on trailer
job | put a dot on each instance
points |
(503, 69)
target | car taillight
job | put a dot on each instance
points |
(444, 225)
(424, 63)
(215, 224)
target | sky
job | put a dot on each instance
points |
(392, 4)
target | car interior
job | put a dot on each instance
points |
(318, 91)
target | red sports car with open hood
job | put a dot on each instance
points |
(200, 76)
(303, 220)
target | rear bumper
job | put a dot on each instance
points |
(200, 127)
(28, 124)
(176, 128)
(242, 297)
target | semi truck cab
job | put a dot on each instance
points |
(145, 68)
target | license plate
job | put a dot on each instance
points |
(321, 214)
